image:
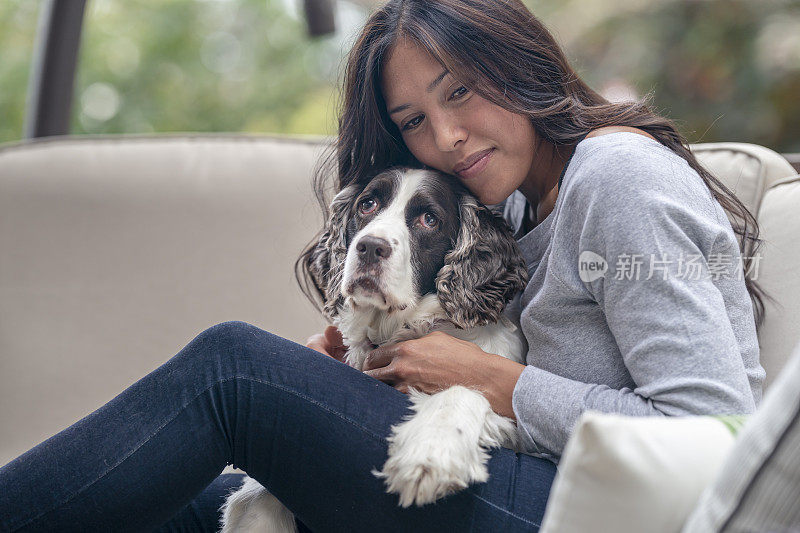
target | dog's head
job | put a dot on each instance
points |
(412, 232)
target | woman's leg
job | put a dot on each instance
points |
(307, 427)
(203, 514)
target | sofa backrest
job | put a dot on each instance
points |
(768, 185)
(115, 251)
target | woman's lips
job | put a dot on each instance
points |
(477, 167)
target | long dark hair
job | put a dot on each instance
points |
(502, 52)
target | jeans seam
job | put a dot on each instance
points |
(173, 417)
(506, 511)
(318, 404)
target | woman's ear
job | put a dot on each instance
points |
(483, 271)
(327, 258)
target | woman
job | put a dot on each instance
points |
(480, 89)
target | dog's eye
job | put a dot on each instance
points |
(367, 206)
(428, 220)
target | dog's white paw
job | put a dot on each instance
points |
(441, 449)
(253, 509)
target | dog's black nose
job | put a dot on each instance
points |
(372, 249)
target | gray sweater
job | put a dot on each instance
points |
(636, 303)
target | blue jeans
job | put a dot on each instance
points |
(307, 427)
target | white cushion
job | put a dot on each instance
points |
(629, 474)
(758, 487)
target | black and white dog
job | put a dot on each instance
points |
(410, 253)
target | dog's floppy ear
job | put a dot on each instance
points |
(483, 271)
(327, 258)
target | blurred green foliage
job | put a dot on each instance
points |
(723, 69)
(17, 28)
(184, 65)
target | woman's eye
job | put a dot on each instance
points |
(367, 206)
(411, 124)
(428, 220)
(458, 93)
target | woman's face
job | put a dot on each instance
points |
(450, 128)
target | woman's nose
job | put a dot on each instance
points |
(447, 134)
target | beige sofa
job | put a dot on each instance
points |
(116, 251)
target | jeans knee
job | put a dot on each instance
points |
(230, 332)
(237, 349)
(227, 346)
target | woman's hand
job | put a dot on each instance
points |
(328, 342)
(438, 361)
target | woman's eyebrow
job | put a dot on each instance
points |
(430, 88)
(437, 81)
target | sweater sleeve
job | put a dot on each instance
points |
(668, 318)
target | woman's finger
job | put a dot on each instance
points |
(385, 374)
(333, 343)
(334, 337)
(379, 357)
(319, 343)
